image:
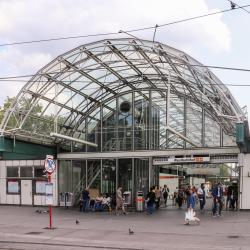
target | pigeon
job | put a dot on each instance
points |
(38, 211)
(77, 222)
(130, 232)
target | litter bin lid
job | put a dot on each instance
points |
(127, 192)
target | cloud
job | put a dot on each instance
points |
(22, 20)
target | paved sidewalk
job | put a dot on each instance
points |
(23, 228)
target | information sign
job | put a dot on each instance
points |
(49, 194)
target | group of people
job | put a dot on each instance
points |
(156, 197)
(102, 202)
(218, 193)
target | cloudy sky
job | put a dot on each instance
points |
(220, 40)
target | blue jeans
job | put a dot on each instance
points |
(85, 205)
(217, 206)
(98, 206)
(150, 208)
(202, 203)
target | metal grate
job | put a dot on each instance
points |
(34, 233)
(233, 236)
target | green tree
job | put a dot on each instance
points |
(5, 106)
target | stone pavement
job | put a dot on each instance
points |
(23, 228)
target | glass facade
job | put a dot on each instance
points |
(105, 175)
(124, 95)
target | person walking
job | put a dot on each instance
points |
(157, 197)
(85, 200)
(217, 194)
(165, 192)
(180, 196)
(202, 196)
(119, 201)
(191, 200)
(190, 214)
(150, 199)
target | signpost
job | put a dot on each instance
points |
(50, 167)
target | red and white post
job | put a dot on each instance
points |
(50, 207)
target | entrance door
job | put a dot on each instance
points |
(26, 192)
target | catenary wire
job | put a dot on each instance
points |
(115, 33)
(241, 7)
(192, 65)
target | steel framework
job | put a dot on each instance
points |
(75, 93)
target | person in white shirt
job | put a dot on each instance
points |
(202, 196)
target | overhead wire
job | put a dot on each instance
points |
(234, 4)
(116, 33)
(192, 65)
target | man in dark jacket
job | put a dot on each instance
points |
(165, 192)
(217, 194)
(85, 200)
(151, 200)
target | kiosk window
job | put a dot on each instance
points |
(26, 172)
(40, 187)
(39, 171)
(12, 172)
(13, 187)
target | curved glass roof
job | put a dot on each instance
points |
(68, 92)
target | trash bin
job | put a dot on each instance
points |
(127, 197)
(139, 201)
(66, 199)
(62, 200)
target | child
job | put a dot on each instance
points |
(190, 214)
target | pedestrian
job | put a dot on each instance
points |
(157, 197)
(229, 192)
(165, 192)
(150, 199)
(217, 194)
(180, 196)
(119, 201)
(191, 200)
(190, 214)
(85, 200)
(202, 196)
(234, 200)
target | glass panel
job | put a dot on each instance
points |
(26, 172)
(12, 172)
(176, 117)
(141, 113)
(109, 176)
(13, 186)
(39, 171)
(125, 122)
(158, 114)
(228, 140)
(40, 187)
(94, 133)
(94, 177)
(141, 176)
(125, 174)
(212, 132)
(65, 177)
(193, 123)
(79, 175)
(109, 127)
